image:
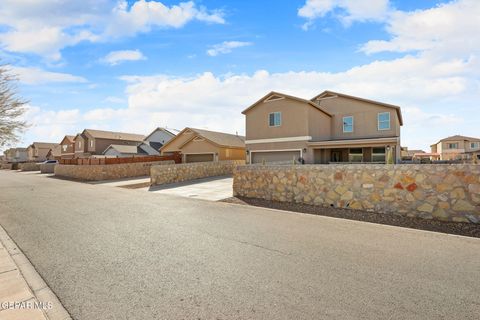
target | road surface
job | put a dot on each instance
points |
(114, 253)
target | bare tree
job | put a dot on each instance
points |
(12, 107)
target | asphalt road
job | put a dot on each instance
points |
(113, 253)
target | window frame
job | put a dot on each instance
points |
(455, 144)
(474, 145)
(355, 155)
(274, 119)
(384, 154)
(343, 124)
(383, 121)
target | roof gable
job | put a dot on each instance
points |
(273, 96)
(218, 138)
(331, 94)
(160, 129)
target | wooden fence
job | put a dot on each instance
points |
(97, 161)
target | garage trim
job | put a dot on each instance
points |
(277, 150)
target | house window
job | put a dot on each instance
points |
(474, 145)
(79, 144)
(452, 145)
(347, 124)
(64, 148)
(91, 143)
(275, 119)
(384, 121)
(378, 154)
(355, 155)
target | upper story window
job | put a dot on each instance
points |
(64, 147)
(452, 145)
(474, 145)
(384, 121)
(275, 119)
(91, 143)
(79, 144)
(348, 124)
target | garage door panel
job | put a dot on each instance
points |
(189, 158)
(275, 156)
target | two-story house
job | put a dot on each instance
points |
(67, 146)
(456, 147)
(330, 127)
(95, 142)
(38, 151)
(14, 155)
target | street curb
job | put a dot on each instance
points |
(34, 282)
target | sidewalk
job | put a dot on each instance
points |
(23, 293)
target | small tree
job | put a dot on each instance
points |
(11, 108)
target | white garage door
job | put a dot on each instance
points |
(275, 156)
(207, 157)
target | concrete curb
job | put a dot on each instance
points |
(26, 285)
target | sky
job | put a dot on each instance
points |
(133, 66)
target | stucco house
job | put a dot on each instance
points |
(67, 147)
(38, 151)
(54, 153)
(15, 155)
(198, 145)
(330, 127)
(122, 151)
(95, 142)
(159, 137)
(456, 147)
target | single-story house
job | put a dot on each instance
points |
(122, 151)
(199, 145)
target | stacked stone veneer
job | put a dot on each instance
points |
(108, 171)
(443, 192)
(29, 166)
(7, 166)
(191, 171)
(47, 167)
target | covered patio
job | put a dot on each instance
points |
(355, 151)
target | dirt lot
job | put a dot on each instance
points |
(464, 229)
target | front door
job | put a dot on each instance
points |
(335, 156)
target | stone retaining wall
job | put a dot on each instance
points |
(47, 167)
(108, 171)
(6, 166)
(443, 192)
(191, 171)
(29, 166)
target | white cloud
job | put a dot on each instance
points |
(449, 29)
(116, 57)
(226, 47)
(36, 76)
(347, 11)
(46, 27)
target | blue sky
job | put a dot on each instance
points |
(132, 66)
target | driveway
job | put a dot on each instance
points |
(113, 253)
(213, 188)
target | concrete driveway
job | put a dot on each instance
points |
(213, 189)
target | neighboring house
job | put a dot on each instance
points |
(55, 153)
(198, 145)
(331, 127)
(95, 142)
(408, 155)
(67, 147)
(122, 151)
(14, 155)
(159, 137)
(456, 147)
(38, 151)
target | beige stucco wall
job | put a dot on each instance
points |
(107, 172)
(365, 118)
(174, 144)
(191, 171)
(443, 192)
(294, 120)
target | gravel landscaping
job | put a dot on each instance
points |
(464, 229)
